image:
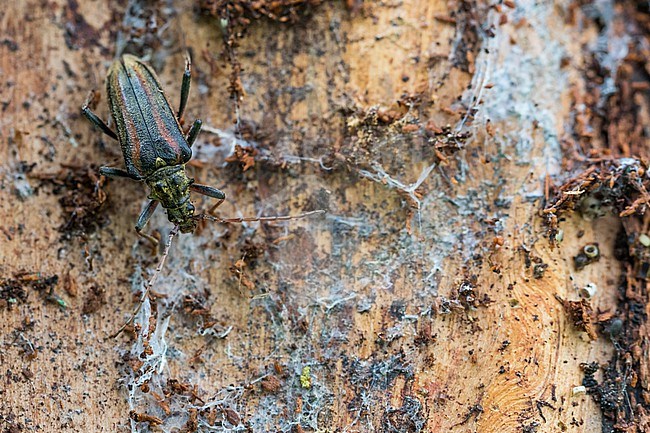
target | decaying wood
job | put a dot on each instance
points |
(466, 153)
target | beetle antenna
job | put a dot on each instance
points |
(150, 283)
(264, 218)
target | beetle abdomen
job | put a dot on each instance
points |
(148, 131)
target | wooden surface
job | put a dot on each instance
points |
(428, 129)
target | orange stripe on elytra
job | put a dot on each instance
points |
(163, 128)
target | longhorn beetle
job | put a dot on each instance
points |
(154, 146)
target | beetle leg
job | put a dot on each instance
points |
(210, 192)
(95, 120)
(116, 172)
(194, 132)
(185, 88)
(144, 218)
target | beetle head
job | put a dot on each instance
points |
(183, 216)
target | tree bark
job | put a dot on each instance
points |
(470, 157)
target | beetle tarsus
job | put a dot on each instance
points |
(95, 120)
(213, 210)
(154, 241)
